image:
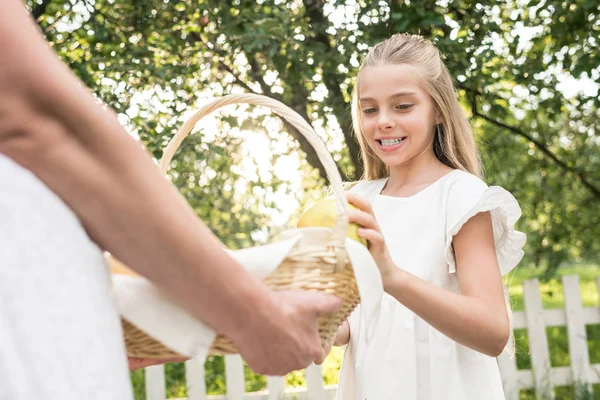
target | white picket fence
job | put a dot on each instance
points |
(542, 377)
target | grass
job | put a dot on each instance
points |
(551, 291)
(552, 297)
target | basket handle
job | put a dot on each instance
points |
(341, 223)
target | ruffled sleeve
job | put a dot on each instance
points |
(468, 197)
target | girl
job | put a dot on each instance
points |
(441, 238)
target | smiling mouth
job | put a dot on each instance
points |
(390, 142)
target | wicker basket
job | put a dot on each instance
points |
(321, 268)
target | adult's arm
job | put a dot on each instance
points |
(51, 125)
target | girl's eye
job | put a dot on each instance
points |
(369, 110)
(404, 106)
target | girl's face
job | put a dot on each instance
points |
(397, 116)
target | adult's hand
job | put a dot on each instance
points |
(341, 338)
(286, 339)
(52, 126)
(280, 346)
(137, 363)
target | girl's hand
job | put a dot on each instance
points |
(341, 338)
(370, 230)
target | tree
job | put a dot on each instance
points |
(151, 60)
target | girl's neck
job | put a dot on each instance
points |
(422, 170)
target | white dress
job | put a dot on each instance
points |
(60, 334)
(407, 358)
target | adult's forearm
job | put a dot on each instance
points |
(52, 126)
(469, 321)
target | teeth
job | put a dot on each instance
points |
(391, 142)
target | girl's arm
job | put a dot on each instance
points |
(477, 317)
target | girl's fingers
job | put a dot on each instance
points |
(375, 238)
(363, 219)
(359, 202)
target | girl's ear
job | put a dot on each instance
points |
(438, 118)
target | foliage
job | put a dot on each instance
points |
(153, 60)
(551, 291)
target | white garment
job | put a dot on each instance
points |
(407, 358)
(60, 334)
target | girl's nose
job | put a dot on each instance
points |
(385, 123)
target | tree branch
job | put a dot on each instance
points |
(237, 79)
(197, 38)
(314, 12)
(541, 147)
(40, 9)
(257, 76)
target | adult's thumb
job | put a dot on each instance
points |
(327, 303)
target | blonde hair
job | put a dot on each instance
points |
(454, 143)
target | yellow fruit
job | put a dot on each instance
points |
(322, 214)
(117, 267)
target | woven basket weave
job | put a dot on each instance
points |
(320, 268)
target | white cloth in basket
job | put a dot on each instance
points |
(141, 303)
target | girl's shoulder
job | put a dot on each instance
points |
(466, 196)
(463, 184)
